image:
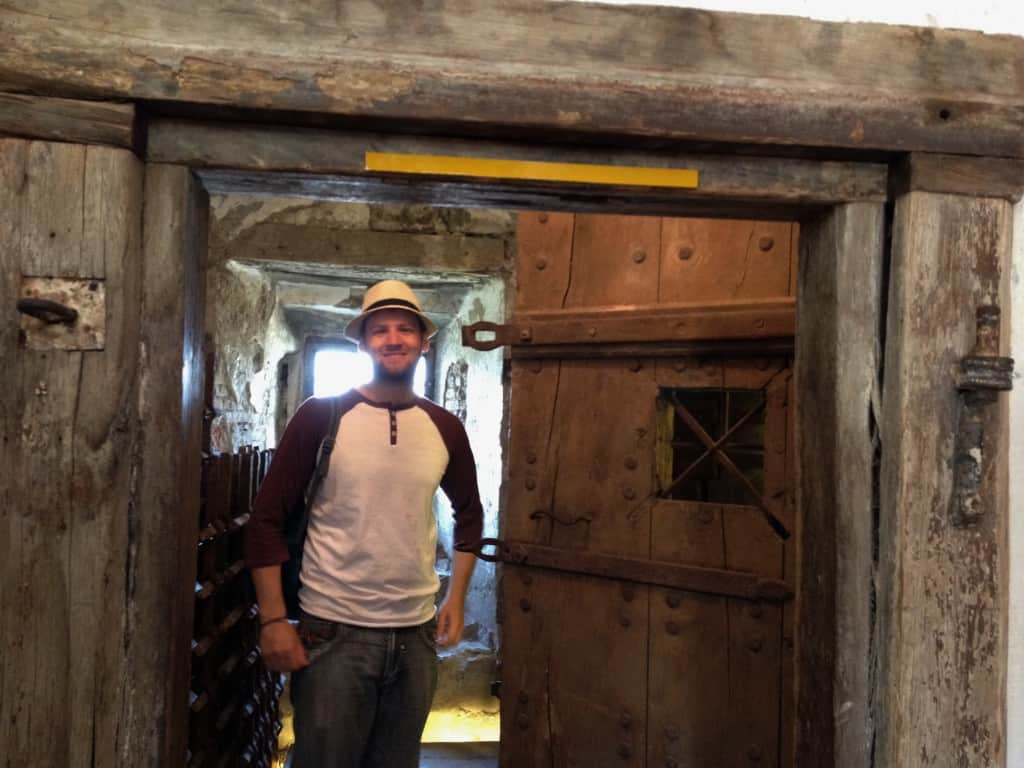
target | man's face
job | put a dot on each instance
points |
(394, 341)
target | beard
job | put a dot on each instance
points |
(397, 378)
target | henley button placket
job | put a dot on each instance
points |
(394, 425)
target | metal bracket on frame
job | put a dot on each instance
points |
(983, 375)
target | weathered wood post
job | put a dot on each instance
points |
(837, 371)
(170, 448)
(942, 586)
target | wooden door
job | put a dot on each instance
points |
(619, 669)
(70, 218)
(100, 426)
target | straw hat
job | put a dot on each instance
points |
(388, 294)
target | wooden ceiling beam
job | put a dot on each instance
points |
(549, 67)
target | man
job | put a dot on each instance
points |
(364, 659)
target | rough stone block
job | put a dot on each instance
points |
(477, 221)
(405, 218)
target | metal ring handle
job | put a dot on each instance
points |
(49, 312)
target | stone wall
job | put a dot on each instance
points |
(249, 335)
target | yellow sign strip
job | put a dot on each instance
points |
(531, 170)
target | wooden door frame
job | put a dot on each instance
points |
(843, 207)
(759, 159)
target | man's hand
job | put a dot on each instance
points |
(450, 622)
(281, 647)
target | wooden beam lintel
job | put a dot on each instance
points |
(995, 177)
(232, 153)
(69, 120)
(549, 67)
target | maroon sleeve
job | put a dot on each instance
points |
(459, 481)
(282, 488)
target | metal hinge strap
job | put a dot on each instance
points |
(689, 578)
(661, 323)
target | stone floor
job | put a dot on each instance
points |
(480, 754)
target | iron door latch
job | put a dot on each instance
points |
(64, 313)
(983, 375)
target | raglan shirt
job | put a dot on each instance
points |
(372, 537)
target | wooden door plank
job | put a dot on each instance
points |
(531, 602)
(943, 589)
(571, 456)
(755, 640)
(608, 449)
(531, 606)
(689, 643)
(837, 368)
(614, 261)
(745, 663)
(111, 240)
(606, 469)
(68, 519)
(709, 260)
(753, 372)
(544, 247)
(777, 478)
(53, 245)
(543, 262)
(790, 514)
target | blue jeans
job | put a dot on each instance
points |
(364, 698)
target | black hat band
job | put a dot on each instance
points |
(392, 303)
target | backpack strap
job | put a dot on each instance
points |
(323, 463)
(323, 457)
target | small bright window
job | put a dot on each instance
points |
(337, 370)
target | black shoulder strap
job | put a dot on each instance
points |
(323, 455)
